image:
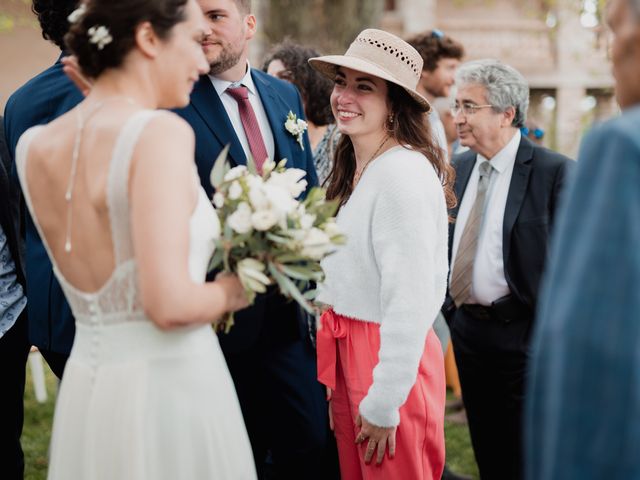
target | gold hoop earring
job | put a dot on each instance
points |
(390, 120)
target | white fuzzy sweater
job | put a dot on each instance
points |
(392, 271)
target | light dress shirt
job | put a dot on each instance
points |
(12, 298)
(231, 107)
(488, 280)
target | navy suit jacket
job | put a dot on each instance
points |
(213, 129)
(536, 184)
(584, 390)
(41, 100)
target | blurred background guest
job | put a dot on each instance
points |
(584, 394)
(14, 344)
(288, 61)
(533, 131)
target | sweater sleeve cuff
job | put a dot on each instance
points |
(378, 415)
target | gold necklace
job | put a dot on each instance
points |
(358, 175)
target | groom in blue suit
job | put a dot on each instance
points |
(268, 351)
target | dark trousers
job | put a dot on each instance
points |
(285, 410)
(492, 356)
(14, 349)
(56, 361)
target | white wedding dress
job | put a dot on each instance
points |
(137, 402)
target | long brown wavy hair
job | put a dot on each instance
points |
(410, 126)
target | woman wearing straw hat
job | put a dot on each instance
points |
(377, 353)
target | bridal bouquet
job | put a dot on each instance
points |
(268, 235)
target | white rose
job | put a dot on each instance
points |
(291, 179)
(235, 172)
(290, 125)
(301, 125)
(240, 220)
(331, 228)
(235, 190)
(279, 199)
(258, 199)
(268, 166)
(264, 219)
(251, 275)
(218, 199)
(316, 244)
(306, 221)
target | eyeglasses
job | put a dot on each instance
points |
(467, 108)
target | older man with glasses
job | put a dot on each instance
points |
(508, 190)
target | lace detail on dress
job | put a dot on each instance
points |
(118, 299)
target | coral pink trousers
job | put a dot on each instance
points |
(347, 353)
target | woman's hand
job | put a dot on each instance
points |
(72, 69)
(331, 424)
(379, 438)
(235, 292)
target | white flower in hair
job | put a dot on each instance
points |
(77, 13)
(99, 35)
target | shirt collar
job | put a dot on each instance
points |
(222, 85)
(501, 160)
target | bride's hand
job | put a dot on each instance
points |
(72, 69)
(235, 293)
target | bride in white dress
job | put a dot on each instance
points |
(113, 189)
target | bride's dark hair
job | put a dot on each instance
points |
(120, 17)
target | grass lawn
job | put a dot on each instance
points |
(37, 432)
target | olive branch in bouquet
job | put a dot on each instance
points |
(269, 236)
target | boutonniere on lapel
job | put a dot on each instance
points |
(296, 127)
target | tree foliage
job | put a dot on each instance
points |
(328, 25)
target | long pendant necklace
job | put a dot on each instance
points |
(358, 175)
(68, 196)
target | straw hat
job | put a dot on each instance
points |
(380, 54)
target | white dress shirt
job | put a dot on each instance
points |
(231, 106)
(488, 281)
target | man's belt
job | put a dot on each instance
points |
(505, 310)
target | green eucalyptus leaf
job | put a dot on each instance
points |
(297, 272)
(287, 286)
(216, 259)
(251, 165)
(220, 168)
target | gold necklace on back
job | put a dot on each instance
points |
(81, 122)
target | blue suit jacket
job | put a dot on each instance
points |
(583, 416)
(213, 129)
(41, 100)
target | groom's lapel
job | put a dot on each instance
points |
(207, 103)
(276, 110)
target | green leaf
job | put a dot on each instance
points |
(216, 259)
(288, 288)
(220, 168)
(277, 238)
(297, 272)
(251, 165)
(311, 294)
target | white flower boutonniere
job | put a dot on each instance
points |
(295, 127)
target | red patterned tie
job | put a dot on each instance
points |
(250, 124)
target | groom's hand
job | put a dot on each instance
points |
(72, 69)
